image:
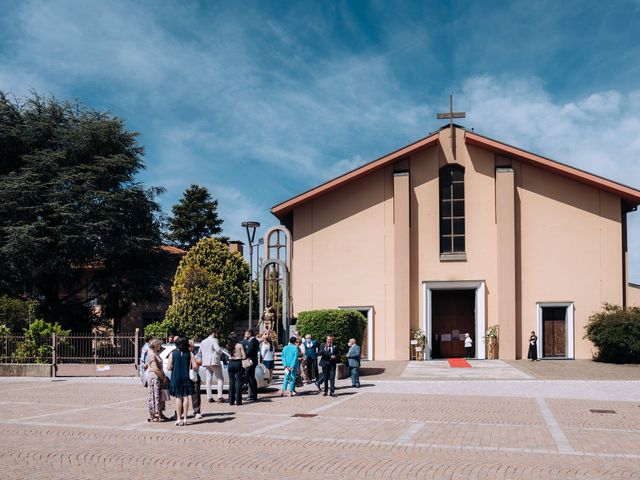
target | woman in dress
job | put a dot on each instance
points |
(180, 362)
(236, 355)
(266, 353)
(156, 381)
(533, 347)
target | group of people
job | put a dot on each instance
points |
(181, 385)
(300, 359)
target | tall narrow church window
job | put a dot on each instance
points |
(452, 209)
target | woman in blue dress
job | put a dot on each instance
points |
(181, 361)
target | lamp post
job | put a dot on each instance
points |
(250, 227)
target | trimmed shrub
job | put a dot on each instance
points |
(344, 324)
(616, 333)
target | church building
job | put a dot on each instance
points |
(456, 233)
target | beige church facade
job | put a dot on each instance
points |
(456, 233)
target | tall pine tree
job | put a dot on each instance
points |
(194, 217)
(72, 216)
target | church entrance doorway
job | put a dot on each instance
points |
(555, 327)
(453, 308)
(453, 315)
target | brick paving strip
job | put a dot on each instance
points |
(562, 442)
(426, 429)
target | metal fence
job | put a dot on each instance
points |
(75, 354)
(91, 348)
(22, 349)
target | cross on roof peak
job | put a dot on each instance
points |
(450, 115)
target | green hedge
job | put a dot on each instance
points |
(616, 333)
(344, 324)
(160, 330)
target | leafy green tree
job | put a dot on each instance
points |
(210, 289)
(194, 217)
(16, 313)
(72, 215)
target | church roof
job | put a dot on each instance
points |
(630, 195)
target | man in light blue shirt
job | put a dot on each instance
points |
(290, 364)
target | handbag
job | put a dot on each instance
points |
(164, 395)
(193, 375)
(247, 362)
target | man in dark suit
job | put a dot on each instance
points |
(251, 348)
(329, 355)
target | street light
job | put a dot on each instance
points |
(250, 227)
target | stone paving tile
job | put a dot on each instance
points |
(360, 434)
(76, 393)
(599, 441)
(576, 370)
(94, 455)
(443, 408)
(505, 436)
(360, 430)
(577, 414)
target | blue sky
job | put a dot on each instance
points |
(259, 101)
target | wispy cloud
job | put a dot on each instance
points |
(262, 102)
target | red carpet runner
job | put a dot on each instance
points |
(458, 363)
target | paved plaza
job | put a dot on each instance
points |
(414, 423)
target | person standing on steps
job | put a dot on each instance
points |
(329, 354)
(211, 360)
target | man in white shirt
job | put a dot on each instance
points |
(211, 352)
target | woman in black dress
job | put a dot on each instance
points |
(533, 347)
(181, 361)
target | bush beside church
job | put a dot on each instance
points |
(344, 324)
(615, 331)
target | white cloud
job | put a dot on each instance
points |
(599, 133)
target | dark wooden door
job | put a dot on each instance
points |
(452, 315)
(554, 334)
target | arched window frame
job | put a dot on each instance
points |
(452, 211)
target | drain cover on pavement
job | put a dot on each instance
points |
(593, 410)
(305, 415)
